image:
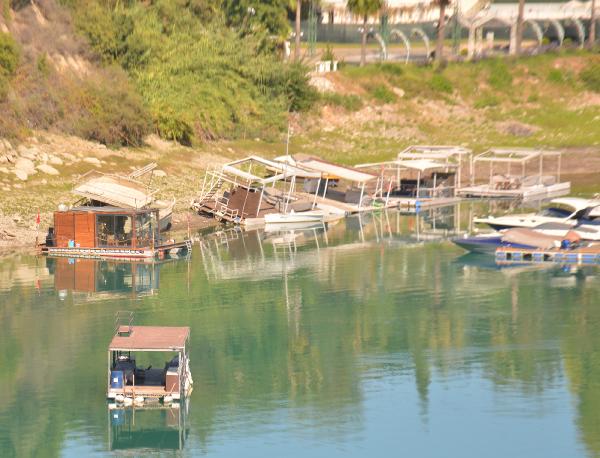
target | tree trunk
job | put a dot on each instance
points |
(441, 32)
(520, 18)
(592, 37)
(363, 47)
(298, 29)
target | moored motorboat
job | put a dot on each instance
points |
(311, 216)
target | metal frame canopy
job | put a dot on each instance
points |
(520, 156)
(282, 170)
(150, 338)
(336, 171)
(434, 152)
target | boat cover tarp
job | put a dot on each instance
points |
(114, 191)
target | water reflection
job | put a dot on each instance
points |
(348, 339)
(147, 429)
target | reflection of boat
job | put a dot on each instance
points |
(99, 189)
(273, 227)
(151, 428)
(311, 216)
(102, 277)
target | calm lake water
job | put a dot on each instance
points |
(374, 337)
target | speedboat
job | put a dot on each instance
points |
(312, 216)
(486, 243)
(567, 210)
(509, 238)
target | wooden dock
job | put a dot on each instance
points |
(584, 255)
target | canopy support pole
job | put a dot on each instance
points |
(362, 191)
(316, 194)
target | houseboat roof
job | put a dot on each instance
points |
(514, 155)
(109, 209)
(150, 338)
(114, 190)
(335, 170)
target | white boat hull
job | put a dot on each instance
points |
(292, 218)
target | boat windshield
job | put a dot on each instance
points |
(557, 212)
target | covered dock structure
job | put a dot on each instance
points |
(516, 173)
(411, 184)
(362, 189)
(245, 190)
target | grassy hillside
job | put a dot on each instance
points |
(550, 100)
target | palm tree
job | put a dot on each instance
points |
(592, 37)
(441, 30)
(520, 15)
(364, 8)
(297, 6)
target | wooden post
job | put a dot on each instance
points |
(259, 200)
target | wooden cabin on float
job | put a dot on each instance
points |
(108, 232)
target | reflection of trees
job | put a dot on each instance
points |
(305, 339)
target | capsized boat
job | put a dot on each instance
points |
(567, 210)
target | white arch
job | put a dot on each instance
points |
(537, 30)
(419, 31)
(559, 29)
(580, 31)
(381, 41)
(400, 34)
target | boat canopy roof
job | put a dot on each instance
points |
(411, 164)
(283, 170)
(150, 338)
(513, 155)
(114, 190)
(439, 152)
(332, 171)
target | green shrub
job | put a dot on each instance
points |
(382, 93)
(591, 76)
(556, 75)
(440, 83)
(500, 76)
(349, 102)
(328, 53)
(390, 68)
(487, 100)
(9, 54)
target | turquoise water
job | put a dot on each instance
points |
(372, 337)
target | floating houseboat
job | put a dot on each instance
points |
(98, 189)
(131, 383)
(246, 190)
(516, 173)
(411, 184)
(108, 232)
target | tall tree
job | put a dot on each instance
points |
(592, 37)
(520, 22)
(441, 30)
(297, 6)
(364, 8)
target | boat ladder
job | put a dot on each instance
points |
(188, 245)
(123, 322)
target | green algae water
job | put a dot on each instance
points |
(374, 336)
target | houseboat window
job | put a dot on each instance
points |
(143, 229)
(114, 230)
